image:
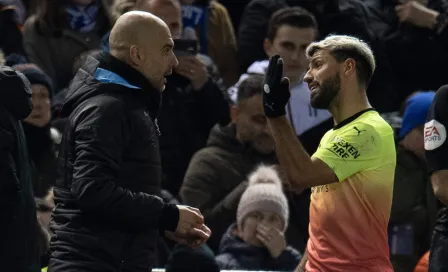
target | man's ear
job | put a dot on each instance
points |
(349, 67)
(234, 111)
(135, 55)
(267, 45)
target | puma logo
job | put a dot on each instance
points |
(271, 106)
(357, 130)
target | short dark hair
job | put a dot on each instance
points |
(250, 87)
(291, 16)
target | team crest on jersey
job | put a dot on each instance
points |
(435, 135)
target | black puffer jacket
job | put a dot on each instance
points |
(107, 206)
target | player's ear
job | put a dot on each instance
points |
(349, 67)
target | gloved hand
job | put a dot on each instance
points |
(276, 89)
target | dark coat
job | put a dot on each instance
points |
(235, 254)
(108, 210)
(186, 119)
(215, 181)
(19, 249)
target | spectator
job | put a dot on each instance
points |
(194, 100)
(349, 17)
(410, 223)
(60, 31)
(416, 32)
(289, 32)
(12, 41)
(215, 179)
(108, 206)
(257, 241)
(19, 250)
(40, 142)
(210, 21)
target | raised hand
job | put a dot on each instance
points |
(275, 89)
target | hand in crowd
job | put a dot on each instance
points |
(193, 69)
(191, 229)
(416, 13)
(272, 239)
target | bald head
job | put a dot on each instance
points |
(144, 42)
(135, 28)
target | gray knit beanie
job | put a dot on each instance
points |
(264, 193)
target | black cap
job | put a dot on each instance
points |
(15, 92)
(35, 76)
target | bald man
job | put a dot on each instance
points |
(108, 212)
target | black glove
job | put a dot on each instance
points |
(276, 89)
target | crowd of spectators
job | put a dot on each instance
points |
(213, 133)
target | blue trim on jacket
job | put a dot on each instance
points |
(107, 76)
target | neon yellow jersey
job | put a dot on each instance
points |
(349, 219)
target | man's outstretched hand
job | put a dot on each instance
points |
(195, 238)
(191, 229)
(275, 89)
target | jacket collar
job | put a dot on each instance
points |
(112, 70)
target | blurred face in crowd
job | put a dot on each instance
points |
(251, 124)
(324, 80)
(290, 43)
(248, 231)
(169, 11)
(41, 114)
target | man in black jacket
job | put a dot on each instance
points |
(108, 210)
(19, 249)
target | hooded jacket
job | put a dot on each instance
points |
(236, 254)
(108, 210)
(19, 249)
(215, 181)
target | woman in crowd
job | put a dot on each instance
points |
(60, 31)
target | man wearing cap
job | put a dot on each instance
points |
(436, 154)
(18, 248)
(411, 214)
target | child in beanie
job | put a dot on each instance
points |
(257, 241)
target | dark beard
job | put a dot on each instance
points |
(328, 91)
